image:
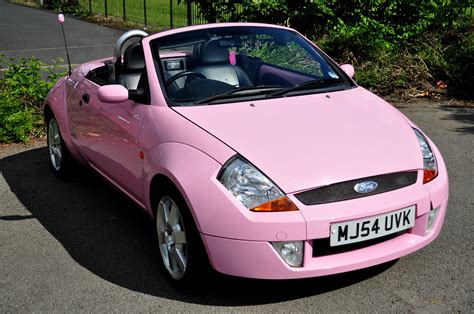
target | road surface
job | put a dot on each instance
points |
(82, 247)
(29, 32)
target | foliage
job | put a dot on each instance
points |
(393, 43)
(66, 6)
(220, 10)
(446, 57)
(289, 56)
(391, 72)
(22, 92)
(460, 62)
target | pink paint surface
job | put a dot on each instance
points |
(300, 142)
(351, 134)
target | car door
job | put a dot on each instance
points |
(111, 143)
(78, 111)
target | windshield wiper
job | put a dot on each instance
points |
(234, 91)
(306, 85)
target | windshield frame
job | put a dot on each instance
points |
(310, 47)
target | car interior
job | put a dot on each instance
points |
(206, 70)
(129, 71)
(197, 70)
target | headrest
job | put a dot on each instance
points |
(213, 53)
(133, 58)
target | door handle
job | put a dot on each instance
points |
(86, 98)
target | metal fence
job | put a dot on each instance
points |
(159, 13)
(154, 13)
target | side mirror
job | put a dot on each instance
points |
(112, 93)
(349, 69)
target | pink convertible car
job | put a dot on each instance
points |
(252, 150)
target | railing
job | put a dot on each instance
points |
(154, 13)
(159, 13)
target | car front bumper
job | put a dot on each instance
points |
(256, 259)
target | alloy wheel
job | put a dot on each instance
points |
(54, 144)
(171, 237)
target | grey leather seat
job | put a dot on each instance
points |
(133, 66)
(213, 63)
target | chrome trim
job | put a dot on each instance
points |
(126, 36)
(366, 186)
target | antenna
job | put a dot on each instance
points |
(61, 21)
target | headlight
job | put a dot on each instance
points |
(430, 168)
(252, 188)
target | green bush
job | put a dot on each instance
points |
(393, 72)
(459, 61)
(394, 44)
(22, 92)
(68, 7)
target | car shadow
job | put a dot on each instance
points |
(107, 234)
(465, 115)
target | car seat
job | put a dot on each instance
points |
(213, 63)
(133, 66)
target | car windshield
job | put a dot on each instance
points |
(231, 64)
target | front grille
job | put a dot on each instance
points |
(321, 247)
(345, 190)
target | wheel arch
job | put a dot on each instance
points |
(164, 182)
(160, 183)
(182, 168)
(47, 112)
(55, 106)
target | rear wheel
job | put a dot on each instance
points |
(181, 250)
(61, 160)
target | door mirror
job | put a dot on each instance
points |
(349, 69)
(112, 93)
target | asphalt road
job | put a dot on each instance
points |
(29, 32)
(81, 246)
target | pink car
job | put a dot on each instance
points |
(253, 151)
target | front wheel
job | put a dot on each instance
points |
(61, 160)
(182, 253)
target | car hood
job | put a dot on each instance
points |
(303, 142)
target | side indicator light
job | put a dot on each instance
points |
(281, 204)
(429, 174)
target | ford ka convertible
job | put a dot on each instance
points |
(252, 150)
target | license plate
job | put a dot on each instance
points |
(372, 227)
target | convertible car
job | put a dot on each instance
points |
(253, 151)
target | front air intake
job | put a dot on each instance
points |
(345, 190)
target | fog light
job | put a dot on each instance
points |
(431, 219)
(290, 251)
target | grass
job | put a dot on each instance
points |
(157, 11)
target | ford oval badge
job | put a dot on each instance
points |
(366, 187)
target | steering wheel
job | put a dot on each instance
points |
(182, 74)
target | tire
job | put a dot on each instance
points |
(183, 257)
(60, 160)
